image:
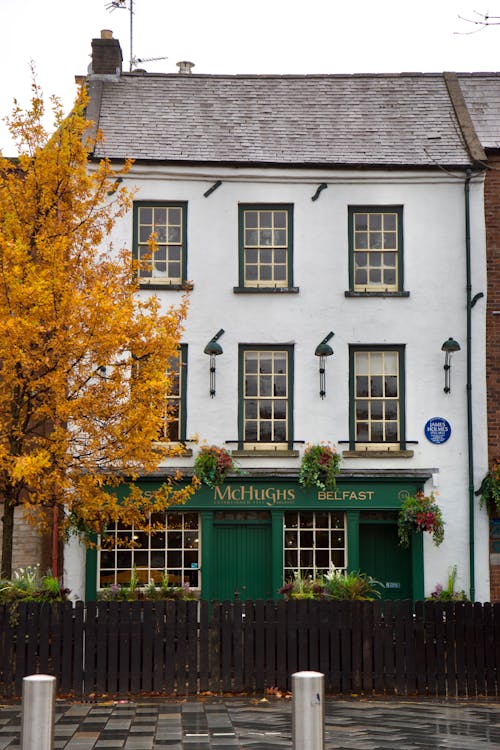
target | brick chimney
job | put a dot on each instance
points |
(106, 55)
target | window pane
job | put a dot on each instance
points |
(145, 215)
(361, 359)
(251, 218)
(361, 221)
(362, 410)
(390, 222)
(361, 240)
(361, 386)
(280, 432)
(391, 363)
(390, 240)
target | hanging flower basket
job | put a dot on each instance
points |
(320, 466)
(490, 491)
(420, 513)
(212, 465)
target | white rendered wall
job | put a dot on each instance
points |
(434, 275)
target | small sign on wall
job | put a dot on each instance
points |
(437, 430)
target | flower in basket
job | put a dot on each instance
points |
(420, 513)
(320, 465)
(490, 491)
(212, 464)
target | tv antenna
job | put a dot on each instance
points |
(129, 5)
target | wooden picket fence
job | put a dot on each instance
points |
(188, 647)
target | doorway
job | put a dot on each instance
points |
(241, 562)
(381, 556)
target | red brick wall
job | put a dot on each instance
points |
(492, 214)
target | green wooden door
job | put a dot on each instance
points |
(381, 556)
(241, 561)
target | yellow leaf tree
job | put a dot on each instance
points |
(83, 356)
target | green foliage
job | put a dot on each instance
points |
(150, 592)
(420, 513)
(352, 585)
(301, 587)
(490, 491)
(319, 467)
(336, 584)
(448, 593)
(28, 585)
(212, 464)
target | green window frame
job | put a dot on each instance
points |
(376, 249)
(377, 397)
(173, 428)
(168, 221)
(265, 247)
(265, 390)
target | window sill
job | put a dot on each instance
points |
(157, 285)
(265, 453)
(376, 294)
(378, 454)
(266, 290)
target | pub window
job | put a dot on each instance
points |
(169, 547)
(314, 541)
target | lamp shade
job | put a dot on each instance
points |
(450, 345)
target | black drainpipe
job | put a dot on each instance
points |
(471, 301)
(472, 574)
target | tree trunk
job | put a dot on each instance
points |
(7, 535)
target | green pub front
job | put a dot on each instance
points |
(246, 537)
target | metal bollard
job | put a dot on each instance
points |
(38, 712)
(308, 710)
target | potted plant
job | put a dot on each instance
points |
(490, 491)
(447, 593)
(212, 465)
(301, 587)
(420, 513)
(319, 467)
(353, 585)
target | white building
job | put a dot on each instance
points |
(299, 206)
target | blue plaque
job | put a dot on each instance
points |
(437, 430)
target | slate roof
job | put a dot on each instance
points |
(482, 95)
(319, 120)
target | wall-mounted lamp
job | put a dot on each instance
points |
(213, 348)
(323, 350)
(449, 346)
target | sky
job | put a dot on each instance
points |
(232, 36)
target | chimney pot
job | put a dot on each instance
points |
(106, 34)
(185, 67)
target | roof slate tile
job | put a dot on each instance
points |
(337, 120)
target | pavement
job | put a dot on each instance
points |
(212, 723)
